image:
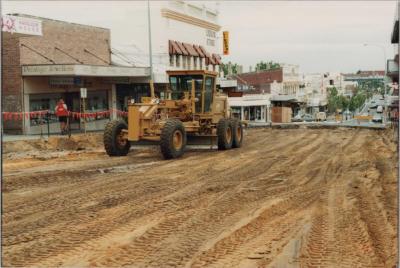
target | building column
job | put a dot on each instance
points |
(173, 56)
(241, 113)
(203, 63)
(112, 101)
(191, 60)
(180, 61)
(269, 113)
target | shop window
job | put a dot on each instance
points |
(40, 102)
(127, 92)
(236, 112)
(258, 115)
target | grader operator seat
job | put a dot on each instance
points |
(181, 82)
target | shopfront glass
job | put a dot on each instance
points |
(253, 113)
(96, 101)
(236, 112)
(127, 92)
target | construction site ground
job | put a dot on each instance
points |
(287, 198)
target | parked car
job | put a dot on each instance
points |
(379, 109)
(320, 116)
(298, 118)
(373, 104)
(308, 118)
(377, 118)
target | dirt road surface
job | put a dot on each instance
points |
(287, 198)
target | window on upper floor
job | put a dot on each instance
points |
(210, 33)
(211, 42)
(178, 61)
(171, 60)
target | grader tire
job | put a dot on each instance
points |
(173, 139)
(237, 130)
(224, 134)
(114, 145)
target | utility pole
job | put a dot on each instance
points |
(150, 48)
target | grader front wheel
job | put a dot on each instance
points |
(114, 141)
(173, 139)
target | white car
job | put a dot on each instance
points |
(379, 109)
(377, 118)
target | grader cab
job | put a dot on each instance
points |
(191, 107)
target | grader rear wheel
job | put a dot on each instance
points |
(237, 129)
(225, 135)
(173, 139)
(114, 141)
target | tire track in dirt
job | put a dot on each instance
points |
(217, 208)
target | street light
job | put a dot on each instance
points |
(384, 64)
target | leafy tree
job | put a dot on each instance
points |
(267, 65)
(234, 66)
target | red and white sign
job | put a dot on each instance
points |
(22, 25)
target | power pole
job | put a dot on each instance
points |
(150, 48)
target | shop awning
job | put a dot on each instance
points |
(182, 48)
(249, 100)
(217, 58)
(289, 98)
(84, 70)
(174, 48)
(201, 54)
(191, 50)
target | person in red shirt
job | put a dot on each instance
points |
(62, 113)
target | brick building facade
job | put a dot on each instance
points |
(37, 70)
(261, 81)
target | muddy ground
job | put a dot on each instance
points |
(287, 198)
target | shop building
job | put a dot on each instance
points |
(45, 60)
(185, 35)
(253, 108)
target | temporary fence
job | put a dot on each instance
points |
(14, 116)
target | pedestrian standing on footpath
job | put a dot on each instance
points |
(62, 113)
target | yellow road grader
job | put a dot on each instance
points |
(192, 107)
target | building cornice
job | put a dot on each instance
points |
(167, 13)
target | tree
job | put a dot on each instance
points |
(234, 68)
(267, 65)
(332, 99)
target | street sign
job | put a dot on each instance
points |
(83, 93)
(226, 42)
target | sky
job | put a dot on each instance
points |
(319, 36)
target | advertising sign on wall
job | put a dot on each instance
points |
(22, 25)
(226, 42)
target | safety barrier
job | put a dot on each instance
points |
(9, 116)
